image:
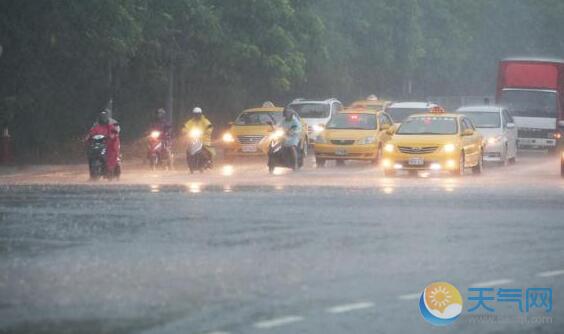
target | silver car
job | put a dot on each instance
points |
(496, 125)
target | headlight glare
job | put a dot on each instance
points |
(449, 148)
(389, 148)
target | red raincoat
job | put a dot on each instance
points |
(111, 132)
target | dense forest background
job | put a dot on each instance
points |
(63, 60)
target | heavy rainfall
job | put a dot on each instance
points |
(281, 166)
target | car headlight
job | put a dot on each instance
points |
(317, 128)
(389, 148)
(449, 148)
(367, 140)
(195, 133)
(494, 140)
(155, 134)
(228, 138)
(277, 134)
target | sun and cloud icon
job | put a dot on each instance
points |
(440, 303)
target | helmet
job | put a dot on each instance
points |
(197, 110)
(104, 117)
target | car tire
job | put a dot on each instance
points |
(320, 163)
(477, 170)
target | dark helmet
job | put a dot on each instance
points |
(104, 117)
(160, 113)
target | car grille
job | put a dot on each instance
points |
(417, 150)
(535, 133)
(342, 142)
(249, 140)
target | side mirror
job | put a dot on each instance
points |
(468, 132)
(385, 126)
(561, 124)
(510, 125)
(269, 123)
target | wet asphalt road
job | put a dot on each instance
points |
(338, 250)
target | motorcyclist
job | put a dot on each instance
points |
(160, 123)
(104, 126)
(293, 128)
(199, 121)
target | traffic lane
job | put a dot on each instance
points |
(532, 169)
(249, 268)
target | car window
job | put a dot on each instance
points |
(337, 107)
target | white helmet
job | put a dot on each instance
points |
(197, 110)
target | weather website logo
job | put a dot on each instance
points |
(440, 303)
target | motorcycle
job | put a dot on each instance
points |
(197, 155)
(97, 155)
(158, 153)
(280, 155)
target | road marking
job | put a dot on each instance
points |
(551, 273)
(410, 296)
(349, 307)
(491, 283)
(277, 322)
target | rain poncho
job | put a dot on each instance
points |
(294, 135)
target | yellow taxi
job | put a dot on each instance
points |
(436, 141)
(246, 133)
(353, 134)
(371, 103)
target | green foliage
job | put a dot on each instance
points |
(64, 59)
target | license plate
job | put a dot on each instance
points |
(340, 151)
(249, 148)
(416, 162)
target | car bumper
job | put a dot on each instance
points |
(494, 152)
(536, 142)
(240, 151)
(345, 152)
(434, 161)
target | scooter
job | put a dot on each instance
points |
(280, 155)
(197, 156)
(158, 154)
(97, 154)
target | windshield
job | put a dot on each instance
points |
(432, 125)
(484, 119)
(400, 114)
(311, 110)
(258, 118)
(530, 103)
(353, 121)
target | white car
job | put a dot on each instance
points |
(316, 113)
(402, 110)
(497, 127)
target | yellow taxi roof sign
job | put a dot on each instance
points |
(372, 97)
(268, 104)
(437, 110)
